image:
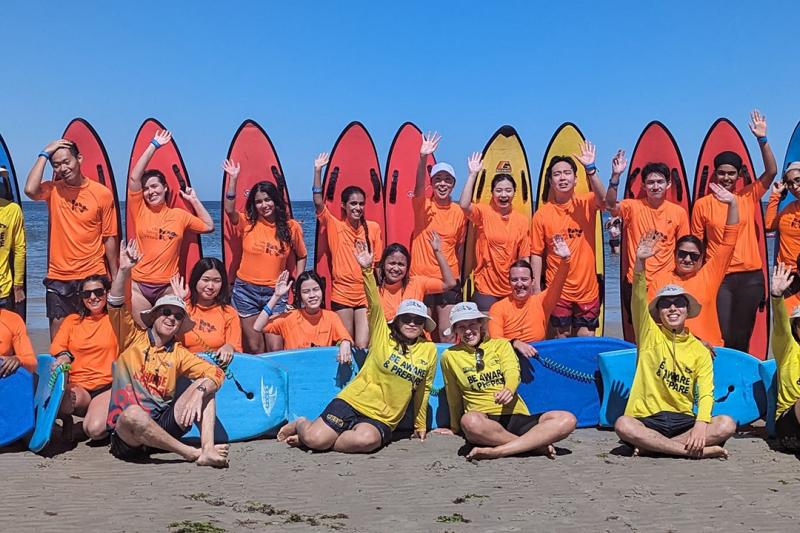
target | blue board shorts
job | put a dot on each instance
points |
(340, 416)
(165, 418)
(250, 299)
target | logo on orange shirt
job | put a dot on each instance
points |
(206, 327)
(166, 235)
(574, 233)
(75, 205)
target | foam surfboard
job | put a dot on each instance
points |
(738, 388)
(399, 181)
(503, 154)
(566, 141)
(768, 370)
(792, 155)
(9, 190)
(353, 161)
(16, 405)
(655, 145)
(722, 136)
(252, 148)
(168, 160)
(252, 401)
(49, 392)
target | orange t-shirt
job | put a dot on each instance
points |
(500, 240)
(81, 218)
(703, 285)
(670, 220)
(416, 288)
(575, 221)
(348, 284)
(159, 234)
(14, 339)
(213, 327)
(300, 329)
(787, 222)
(91, 340)
(263, 255)
(708, 222)
(451, 225)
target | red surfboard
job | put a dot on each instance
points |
(399, 180)
(252, 148)
(353, 161)
(168, 160)
(722, 136)
(655, 145)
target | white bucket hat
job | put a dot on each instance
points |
(414, 307)
(794, 165)
(443, 167)
(464, 311)
(675, 290)
(150, 316)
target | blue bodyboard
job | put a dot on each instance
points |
(16, 406)
(49, 392)
(252, 401)
(738, 388)
(769, 377)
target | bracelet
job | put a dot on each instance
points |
(230, 196)
(613, 184)
(316, 190)
(592, 171)
(44, 154)
(762, 140)
(66, 353)
(155, 143)
(590, 167)
(267, 310)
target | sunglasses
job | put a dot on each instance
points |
(694, 256)
(412, 319)
(792, 183)
(479, 364)
(166, 311)
(85, 294)
(665, 302)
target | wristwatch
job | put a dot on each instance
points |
(202, 388)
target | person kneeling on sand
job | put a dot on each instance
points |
(481, 376)
(400, 367)
(144, 415)
(674, 370)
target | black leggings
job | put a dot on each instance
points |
(737, 304)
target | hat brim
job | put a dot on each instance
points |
(480, 316)
(149, 318)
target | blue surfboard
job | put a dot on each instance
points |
(16, 406)
(738, 389)
(252, 401)
(792, 155)
(769, 377)
(9, 190)
(49, 392)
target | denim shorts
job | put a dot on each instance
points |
(249, 299)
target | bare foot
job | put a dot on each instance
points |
(714, 452)
(479, 454)
(549, 451)
(216, 457)
(293, 441)
(287, 431)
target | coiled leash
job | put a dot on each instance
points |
(564, 370)
(51, 383)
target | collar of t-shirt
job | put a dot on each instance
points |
(168, 347)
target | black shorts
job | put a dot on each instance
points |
(668, 423)
(614, 242)
(166, 419)
(340, 416)
(336, 306)
(516, 424)
(61, 297)
(787, 429)
(440, 299)
(98, 391)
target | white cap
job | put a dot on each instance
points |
(149, 316)
(414, 307)
(675, 290)
(464, 311)
(443, 167)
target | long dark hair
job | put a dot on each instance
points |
(83, 312)
(201, 267)
(281, 212)
(346, 194)
(395, 247)
(302, 278)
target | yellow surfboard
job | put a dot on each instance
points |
(503, 154)
(566, 141)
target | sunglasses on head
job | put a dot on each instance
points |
(694, 256)
(665, 302)
(89, 292)
(412, 319)
(166, 311)
(479, 364)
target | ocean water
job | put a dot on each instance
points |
(36, 227)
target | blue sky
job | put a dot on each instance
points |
(303, 71)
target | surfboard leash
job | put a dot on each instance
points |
(51, 383)
(565, 370)
(229, 375)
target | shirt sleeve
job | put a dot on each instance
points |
(454, 399)
(123, 324)
(275, 325)
(423, 392)
(340, 332)
(771, 215)
(324, 217)
(378, 328)
(643, 323)
(45, 189)
(23, 349)
(718, 265)
(524, 250)
(509, 365)
(705, 386)
(496, 329)
(195, 367)
(109, 215)
(60, 342)
(194, 223)
(537, 235)
(298, 243)
(682, 228)
(233, 329)
(698, 225)
(19, 247)
(430, 285)
(377, 242)
(476, 214)
(782, 339)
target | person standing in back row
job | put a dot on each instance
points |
(12, 249)
(82, 213)
(573, 216)
(742, 290)
(437, 214)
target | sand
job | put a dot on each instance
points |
(408, 486)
